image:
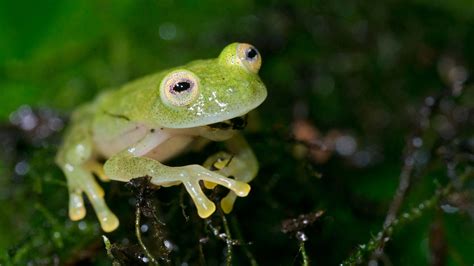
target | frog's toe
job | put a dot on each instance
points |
(108, 221)
(241, 189)
(77, 211)
(227, 203)
(204, 206)
(209, 185)
(97, 169)
(206, 210)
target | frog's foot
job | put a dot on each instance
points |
(228, 165)
(191, 175)
(216, 162)
(79, 181)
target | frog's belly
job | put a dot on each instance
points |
(108, 145)
(170, 148)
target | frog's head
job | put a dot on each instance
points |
(211, 92)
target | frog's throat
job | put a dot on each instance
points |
(236, 123)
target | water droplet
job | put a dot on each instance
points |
(24, 118)
(168, 244)
(22, 168)
(301, 236)
(144, 228)
(167, 31)
(429, 101)
(373, 263)
(82, 225)
(417, 142)
(447, 208)
(346, 145)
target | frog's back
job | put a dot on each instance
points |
(132, 100)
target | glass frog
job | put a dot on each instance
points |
(155, 118)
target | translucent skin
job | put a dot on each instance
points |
(135, 128)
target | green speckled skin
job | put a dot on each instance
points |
(138, 125)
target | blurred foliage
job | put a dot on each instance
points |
(353, 77)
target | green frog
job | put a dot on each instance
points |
(157, 117)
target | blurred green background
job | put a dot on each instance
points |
(349, 74)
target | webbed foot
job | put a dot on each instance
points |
(228, 165)
(191, 175)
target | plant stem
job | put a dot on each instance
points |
(228, 239)
(305, 261)
(238, 233)
(404, 218)
(139, 236)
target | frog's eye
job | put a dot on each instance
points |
(179, 88)
(249, 56)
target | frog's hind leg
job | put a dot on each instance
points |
(220, 162)
(241, 164)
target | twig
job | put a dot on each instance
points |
(238, 233)
(295, 227)
(305, 261)
(202, 259)
(228, 240)
(412, 146)
(401, 191)
(404, 218)
(139, 236)
(403, 185)
(108, 248)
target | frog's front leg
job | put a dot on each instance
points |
(132, 163)
(240, 163)
(74, 157)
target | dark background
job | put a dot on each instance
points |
(379, 84)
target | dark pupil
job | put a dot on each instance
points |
(251, 53)
(181, 86)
